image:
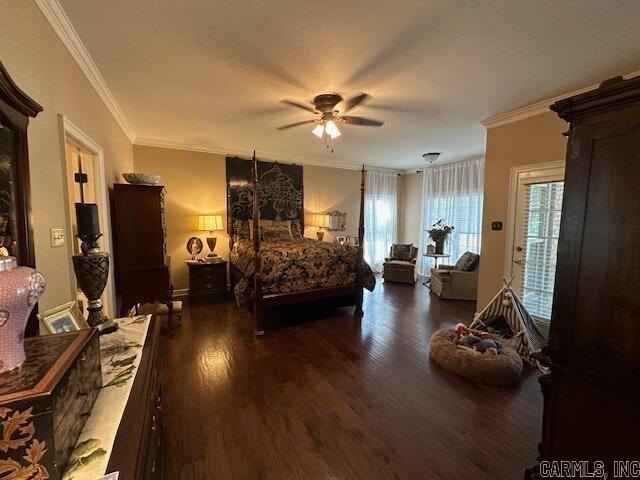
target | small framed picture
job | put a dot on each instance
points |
(355, 241)
(62, 319)
(431, 249)
(341, 239)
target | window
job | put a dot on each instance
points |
(541, 225)
(453, 192)
(379, 216)
(464, 212)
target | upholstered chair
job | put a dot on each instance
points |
(459, 281)
(400, 265)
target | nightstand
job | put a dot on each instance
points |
(207, 278)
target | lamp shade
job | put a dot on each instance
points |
(209, 223)
(320, 220)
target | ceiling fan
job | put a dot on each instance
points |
(330, 109)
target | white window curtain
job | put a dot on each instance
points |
(452, 192)
(380, 200)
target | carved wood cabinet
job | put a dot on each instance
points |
(16, 230)
(142, 266)
(592, 395)
(45, 403)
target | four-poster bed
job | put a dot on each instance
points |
(272, 264)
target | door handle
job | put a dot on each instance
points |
(519, 261)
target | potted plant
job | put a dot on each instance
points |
(439, 232)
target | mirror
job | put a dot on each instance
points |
(337, 221)
(8, 243)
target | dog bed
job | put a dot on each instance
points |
(499, 370)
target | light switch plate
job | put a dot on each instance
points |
(57, 237)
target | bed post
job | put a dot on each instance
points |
(360, 267)
(302, 209)
(229, 216)
(258, 308)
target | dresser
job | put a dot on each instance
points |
(207, 278)
(124, 431)
(592, 392)
(142, 267)
(139, 447)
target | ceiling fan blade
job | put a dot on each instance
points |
(304, 106)
(297, 124)
(351, 103)
(365, 122)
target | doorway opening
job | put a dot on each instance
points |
(83, 154)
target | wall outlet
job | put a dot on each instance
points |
(57, 237)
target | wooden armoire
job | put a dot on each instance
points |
(592, 394)
(142, 266)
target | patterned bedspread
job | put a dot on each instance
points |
(296, 265)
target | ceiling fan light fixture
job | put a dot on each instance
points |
(332, 129)
(318, 131)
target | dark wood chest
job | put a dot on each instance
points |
(207, 278)
(141, 263)
(592, 394)
(45, 403)
(139, 447)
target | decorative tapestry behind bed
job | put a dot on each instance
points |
(280, 191)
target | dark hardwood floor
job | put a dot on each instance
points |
(327, 397)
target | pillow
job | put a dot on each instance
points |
(402, 251)
(467, 262)
(275, 231)
(296, 228)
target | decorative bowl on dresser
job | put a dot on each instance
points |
(141, 178)
(45, 403)
(207, 278)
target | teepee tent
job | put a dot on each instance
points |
(527, 339)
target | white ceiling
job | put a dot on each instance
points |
(212, 72)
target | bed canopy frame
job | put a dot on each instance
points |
(345, 295)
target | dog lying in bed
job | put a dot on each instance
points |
(469, 338)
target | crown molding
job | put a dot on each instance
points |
(537, 108)
(228, 151)
(57, 18)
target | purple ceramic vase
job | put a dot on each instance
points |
(20, 289)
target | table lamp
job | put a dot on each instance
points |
(210, 223)
(320, 220)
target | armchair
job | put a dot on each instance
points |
(452, 282)
(400, 265)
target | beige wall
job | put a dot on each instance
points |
(328, 189)
(43, 68)
(196, 184)
(533, 140)
(409, 208)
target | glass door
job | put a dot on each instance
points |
(537, 209)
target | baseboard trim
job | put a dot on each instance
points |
(181, 292)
